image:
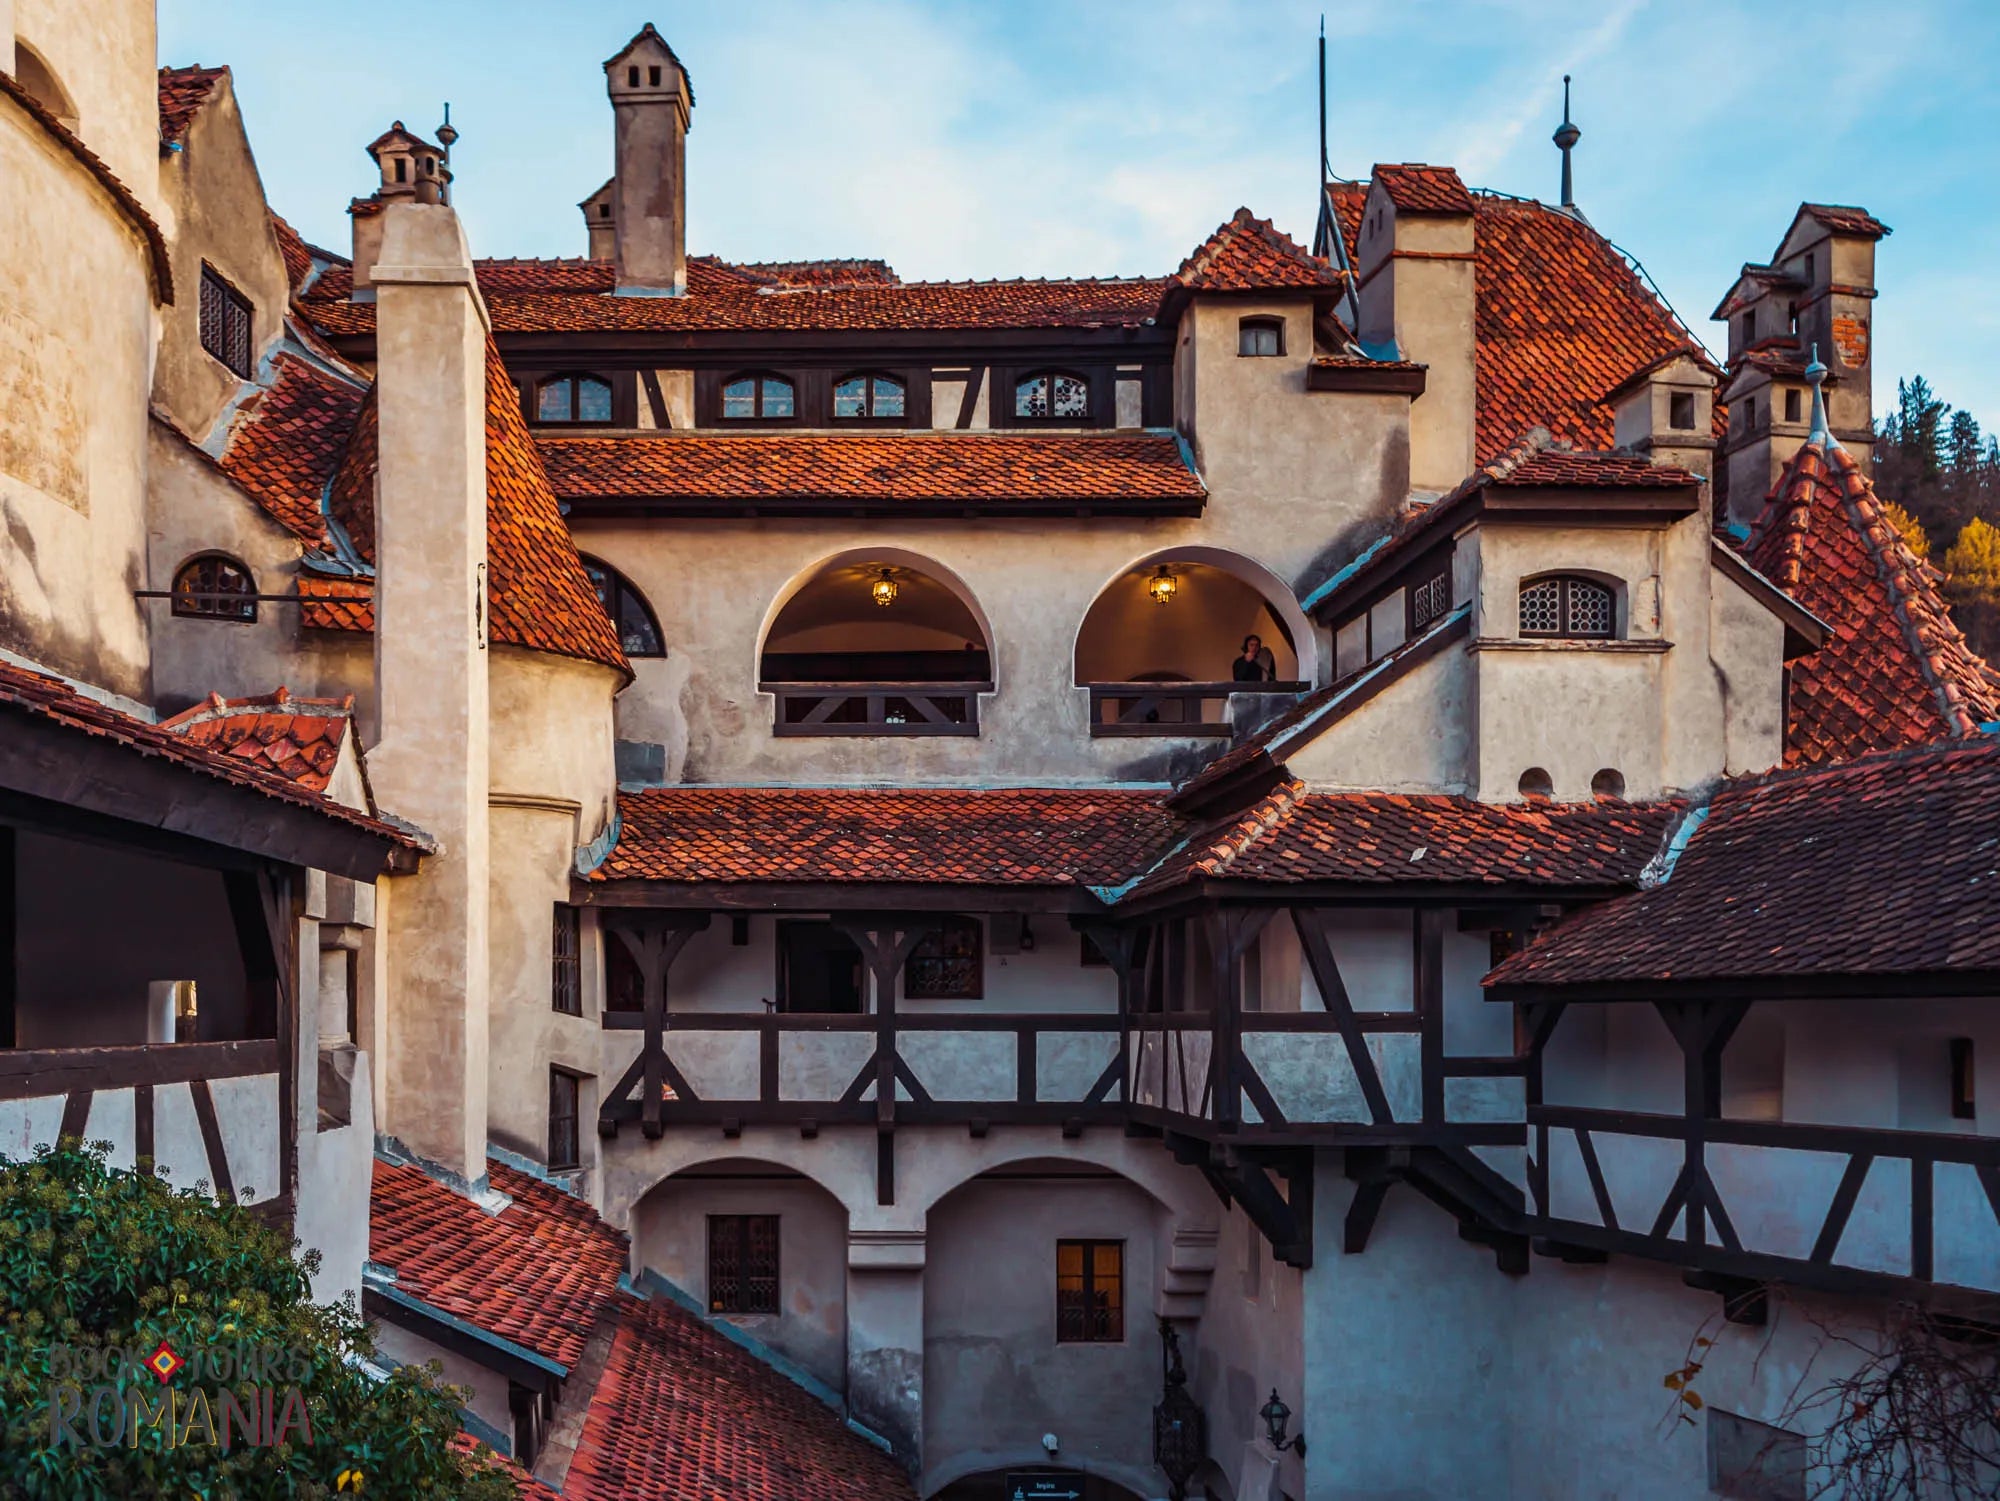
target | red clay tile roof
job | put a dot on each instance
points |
(1882, 866)
(339, 604)
(1562, 319)
(1844, 219)
(538, 1273)
(521, 276)
(287, 443)
(183, 91)
(1388, 838)
(1897, 671)
(892, 467)
(1246, 254)
(298, 739)
(27, 692)
(1419, 188)
(1038, 836)
(682, 1414)
(293, 249)
(834, 273)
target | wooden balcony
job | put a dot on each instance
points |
(911, 708)
(1171, 708)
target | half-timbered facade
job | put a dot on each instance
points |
(1000, 853)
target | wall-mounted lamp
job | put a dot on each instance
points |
(1162, 585)
(1276, 1415)
(884, 590)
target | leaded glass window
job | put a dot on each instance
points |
(1052, 396)
(947, 965)
(743, 1263)
(1090, 1291)
(573, 398)
(1429, 600)
(1573, 608)
(638, 631)
(225, 322)
(868, 396)
(749, 397)
(214, 588)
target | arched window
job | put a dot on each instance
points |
(1052, 396)
(638, 631)
(573, 398)
(214, 587)
(868, 396)
(748, 397)
(39, 79)
(1572, 608)
(1260, 337)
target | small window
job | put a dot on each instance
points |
(564, 1141)
(1429, 600)
(1090, 1292)
(1750, 328)
(861, 396)
(743, 1263)
(215, 588)
(1051, 396)
(1809, 268)
(225, 322)
(1680, 411)
(1608, 785)
(566, 971)
(653, 76)
(573, 398)
(750, 397)
(1572, 608)
(1749, 414)
(1535, 785)
(947, 965)
(1792, 404)
(1260, 337)
(638, 631)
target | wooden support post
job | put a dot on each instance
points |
(1427, 973)
(653, 939)
(885, 941)
(1317, 946)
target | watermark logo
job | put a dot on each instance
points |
(163, 1362)
(237, 1395)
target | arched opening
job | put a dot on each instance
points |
(214, 586)
(1167, 641)
(638, 628)
(1569, 606)
(877, 643)
(39, 79)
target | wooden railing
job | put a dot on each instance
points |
(1170, 708)
(876, 708)
(28, 1073)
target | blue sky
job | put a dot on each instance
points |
(1103, 137)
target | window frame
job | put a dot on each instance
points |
(1678, 401)
(1114, 1330)
(761, 378)
(1437, 584)
(623, 590)
(739, 1228)
(186, 605)
(574, 380)
(955, 927)
(566, 960)
(572, 1159)
(1260, 323)
(219, 292)
(869, 417)
(1567, 584)
(1051, 373)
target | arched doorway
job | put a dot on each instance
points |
(877, 642)
(1159, 645)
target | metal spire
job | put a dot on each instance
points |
(446, 135)
(1329, 244)
(1820, 433)
(1566, 137)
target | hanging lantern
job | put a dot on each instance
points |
(883, 591)
(1180, 1434)
(1162, 585)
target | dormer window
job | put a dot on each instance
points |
(1052, 396)
(225, 322)
(573, 398)
(862, 396)
(1680, 411)
(1568, 608)
(1260, 338)
(215, 587)
(749, 397)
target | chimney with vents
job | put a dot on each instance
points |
(651, 99)
(598, 224)
(413, 171)
(430, 763)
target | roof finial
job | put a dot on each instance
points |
(1566, 136)
(1820, 433)
(446, 135)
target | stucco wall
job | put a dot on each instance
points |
(1251, 1342)
(104, 55)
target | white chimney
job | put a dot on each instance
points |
(651, 99)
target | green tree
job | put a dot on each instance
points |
(94, 1262)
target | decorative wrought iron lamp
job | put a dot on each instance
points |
(1162, 585)
(884, 590)
(1276, 1415)
(1180, 1433)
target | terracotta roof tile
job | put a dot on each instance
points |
(538, 1273)
(1419, 188)
(1881, 865)
(338, 604)
(1897, 671)
(1246, 254)
(682, 1414)
(891, 467)
(1037, 836)
(287, 442)
(298, 739)
(183, 91)
(296, 253)
(835, 273)
(28, 692)
(1844, 219)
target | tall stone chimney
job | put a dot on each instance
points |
(413, 171)
(651, 99)
(1415, 270)
(598, 224)
(430, 764)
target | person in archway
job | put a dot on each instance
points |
(1254, 664)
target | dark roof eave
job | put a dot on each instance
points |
(1804, 986)
(738, 507)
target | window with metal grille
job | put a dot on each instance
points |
(743, 1263)
(1575, 608)
(948, 965)
(566, 974)
(1429, 600)
(749, 397)
(868, 396)
(225, 322)
(1090, 1292)
(1260, 337)
(564, 1141)
(1052, 396)
(573, 398)
(213, 587)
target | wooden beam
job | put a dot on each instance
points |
(9, 954)
(1313, 929)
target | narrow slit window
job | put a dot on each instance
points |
(564, 1139)
(566, 968)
